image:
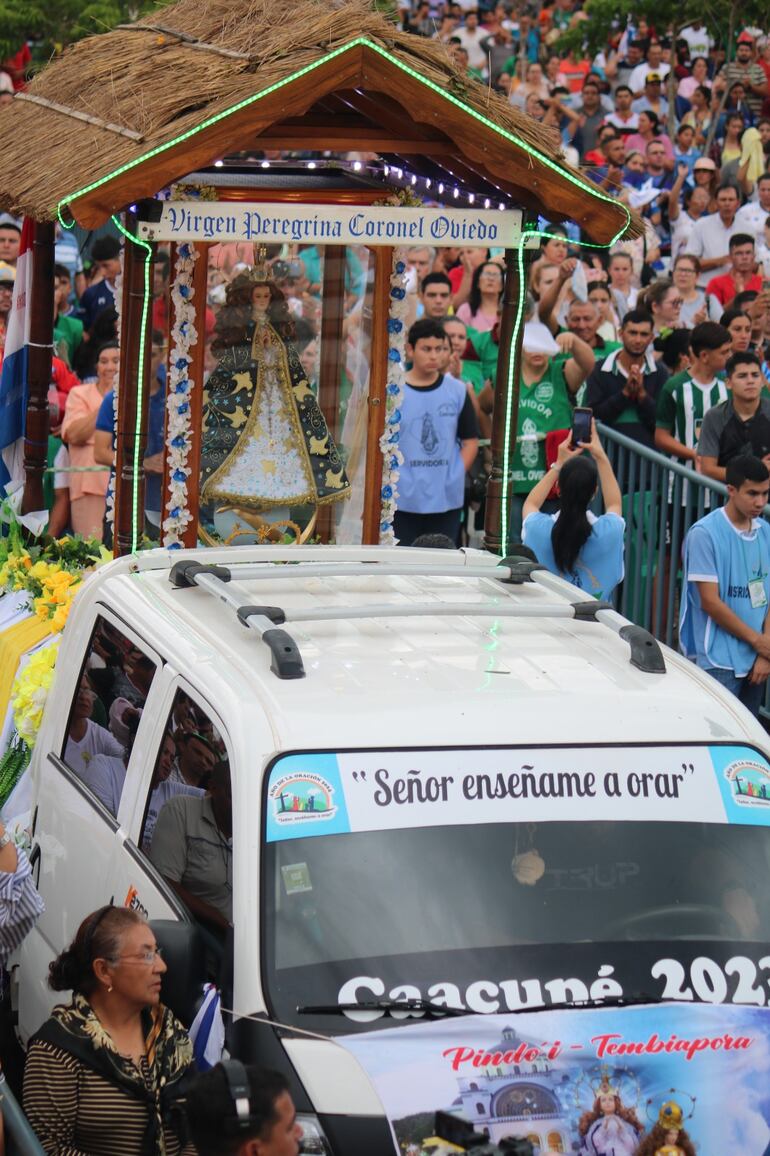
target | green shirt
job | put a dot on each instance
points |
(543, 406)
(487, 350)
(67, 333)
(683, 403)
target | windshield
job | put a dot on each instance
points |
(478, 915)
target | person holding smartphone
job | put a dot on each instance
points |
(574, 543)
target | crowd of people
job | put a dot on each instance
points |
(666, 337)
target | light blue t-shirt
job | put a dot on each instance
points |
(599, 565)
(715, 551)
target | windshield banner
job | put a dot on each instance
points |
(332, 794)
(663, 1080)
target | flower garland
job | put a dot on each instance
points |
(178, 424)
(110, 497)
(30, 691)
(393, 459)
(51, 574)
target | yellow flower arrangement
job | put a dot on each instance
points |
(30, 691)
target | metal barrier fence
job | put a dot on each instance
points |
(661, 500)
(20, 1140)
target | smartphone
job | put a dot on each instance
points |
(581, 425)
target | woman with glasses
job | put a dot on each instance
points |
(685, 278)
(104, 1071)
(482, 308)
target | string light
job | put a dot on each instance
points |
(487, 203)
(311, 164)
(218, 164)
(440, 189)
(471, 198)
(414, 179)
(456, 192)
(357, 166)
(265, 164)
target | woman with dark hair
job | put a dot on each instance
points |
(104, 1071)
(574, 543)
(727, 150)
(265, 446)
(738, 324)
(481, 309)
(698, 116)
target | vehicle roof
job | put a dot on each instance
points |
(420, 681)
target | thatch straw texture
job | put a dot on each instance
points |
(158, 85)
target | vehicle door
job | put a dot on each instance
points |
(77, 839)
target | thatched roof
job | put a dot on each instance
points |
(120, 115)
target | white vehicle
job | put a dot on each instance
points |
(455, 784)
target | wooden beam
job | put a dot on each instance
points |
(378, 380)
(36, 426)
(231, 134)
(391, 115)
(345, 140)
(130, 523)
(332, 354)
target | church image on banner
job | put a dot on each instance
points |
(534, 1099)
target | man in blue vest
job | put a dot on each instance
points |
(439, 440)
(724, 624)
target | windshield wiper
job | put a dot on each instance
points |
(438, 1010)
(387, 1005)
(638, 997)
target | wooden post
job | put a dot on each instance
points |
(39, 371)
(378, 380)
(127, 522)
(498, 483)
(332, 358)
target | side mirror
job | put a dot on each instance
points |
(185, 957)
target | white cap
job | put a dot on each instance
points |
(539, 339)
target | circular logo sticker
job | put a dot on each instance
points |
(544, 391)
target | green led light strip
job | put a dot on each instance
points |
(364, 42)
(135, 532)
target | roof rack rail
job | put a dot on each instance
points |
(646, 654)
(286, 658)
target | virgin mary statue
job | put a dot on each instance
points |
(265, 444)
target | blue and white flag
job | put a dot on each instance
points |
(207, 1031)
(13, 380)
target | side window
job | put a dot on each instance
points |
(114, 683)
(187, 828)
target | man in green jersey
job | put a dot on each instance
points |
(687, 396)
(546, 396)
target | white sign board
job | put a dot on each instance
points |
(334, 224)
(323, 793)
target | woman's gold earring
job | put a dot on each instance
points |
(109, 988)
